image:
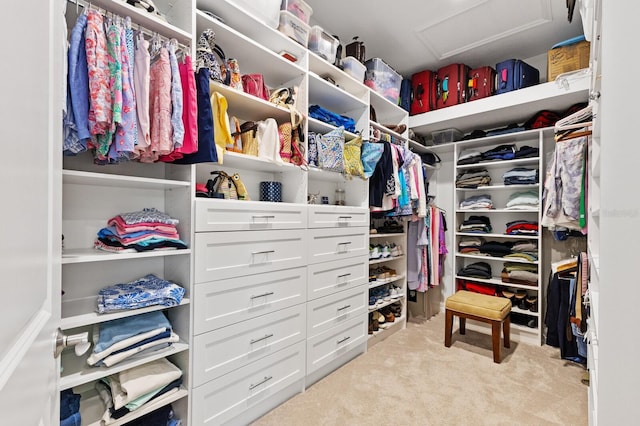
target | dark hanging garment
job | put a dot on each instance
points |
(206, 146)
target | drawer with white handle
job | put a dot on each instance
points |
(327, 278)
(221, 351)
(326, 244)
(330, 311)
(217, 304)
(334, 343)
(222, 399)
(337, 216)
(221, 255)
(233, 215)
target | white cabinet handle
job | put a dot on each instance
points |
(344, 217)
(266, 217)
(263, 381)
(344, 339)
(344, 275)
(266, 336)
(344, 307)
(262, 252)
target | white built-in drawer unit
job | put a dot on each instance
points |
(218, 304)
(332, 344)
(336, 309)
(326, 244)
(233, 215)
(327, 278)
(221, 255)
(222, 399)
(337, 216)
(221, 351)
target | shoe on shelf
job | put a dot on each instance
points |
(532, 302)
(372, 301)
(379, 317)
(384, 250)
(390, 272)
(388, 315)
(396, 250)
(374, 252)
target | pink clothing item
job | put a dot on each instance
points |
(123, 228)
(189, 112)
(159, 108)
(141, 77)
(99, 92)
(126, 129)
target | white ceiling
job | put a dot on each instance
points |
(413, 35)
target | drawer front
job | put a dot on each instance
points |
(337, 217)
(220, 400)
(327, 278)
(336, 309)
(332, 344)
(221, 255)
(217, 304)
(232, 215)
(328, 244)
(222, 351)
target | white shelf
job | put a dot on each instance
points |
(500, 164)
(378, 306)
(95, 255)
(318, 126)
(77, 371)
(237, 17)
(92, 408)
(499, 187)
(252, 56)
(526, 329)
(386, 110)
(81, 312)
(497, 211)
(526, 312)
(386, 259)
(333, 98)
(327, 175)
(343, 80)
(384, 129)
(387, 235)
(524, 136)
(498, 281)
(103, 179)
(420, 149)
(378, 283)
(238, 160)
(145, 19)
(499, 110)
(248, 107)
(519, 237)
(503, 259)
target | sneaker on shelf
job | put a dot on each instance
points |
(397, 291)
(374, 252)
(373, 300)
(396, 250)
(385, 251)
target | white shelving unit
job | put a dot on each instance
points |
(93, 194)
(499, 217)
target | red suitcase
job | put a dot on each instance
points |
(481, 84)
(452, 85)
(423, 86)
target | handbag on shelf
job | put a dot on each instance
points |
(291, 136)
(222, 186)
(235, 79)
(254, 84)
(352, 158)
(331, 150)
(237, 138)
(206, 53)
(248, 134)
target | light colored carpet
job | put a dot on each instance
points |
(412, 379)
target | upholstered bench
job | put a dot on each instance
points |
(480, 307)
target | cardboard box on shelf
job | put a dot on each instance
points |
(567, 58)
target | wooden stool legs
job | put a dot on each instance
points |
(495, 331)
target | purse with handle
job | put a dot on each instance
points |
(206, 53)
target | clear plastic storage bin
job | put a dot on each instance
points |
(323, 44)
(446, 136)
(383, 79)
(267, 11)
(354, 68)
(293, 27)
(299, 8)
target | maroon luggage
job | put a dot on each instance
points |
(481, 84)
(452, 85)
(423, 86)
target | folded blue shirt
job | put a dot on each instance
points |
(114, 331)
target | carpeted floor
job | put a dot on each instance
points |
(412, 379)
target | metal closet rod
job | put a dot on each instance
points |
(89, 5)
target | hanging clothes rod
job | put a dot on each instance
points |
(88, 5)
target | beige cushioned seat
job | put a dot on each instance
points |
(481, 305)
